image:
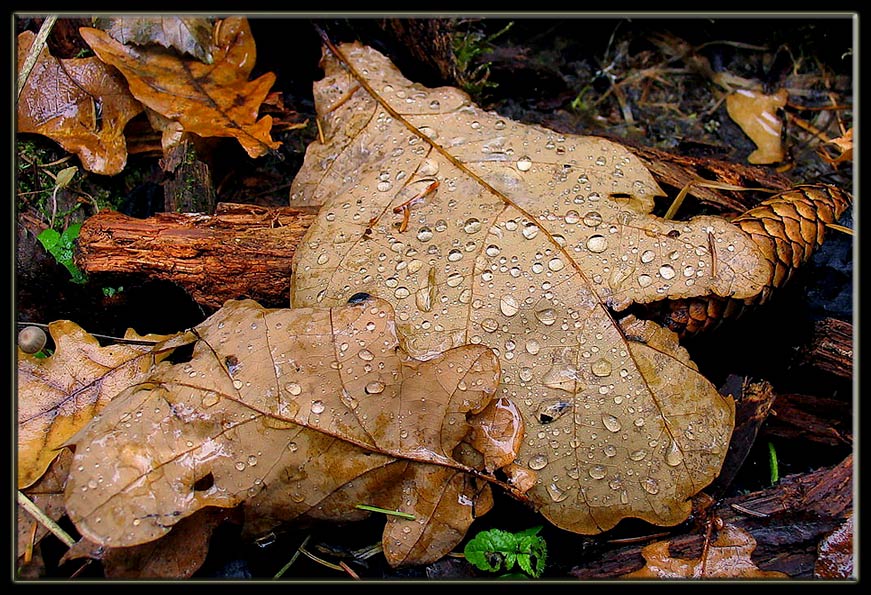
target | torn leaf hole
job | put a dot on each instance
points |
(181, 355)
(204, 483)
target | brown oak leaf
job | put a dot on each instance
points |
(59, 395)
(81, 103)
(298, 414)
(214, 99)
(190, 35)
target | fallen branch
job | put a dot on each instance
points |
(242, 251)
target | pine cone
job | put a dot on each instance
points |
(787, 227)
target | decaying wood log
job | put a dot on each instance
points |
(787, 521)
(243, 251)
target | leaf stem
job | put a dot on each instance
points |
(320, 561)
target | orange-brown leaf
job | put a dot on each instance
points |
(207, 99)
(843, 148)
(297, 414)
(176, 556)
(81, 103)
(58, 395)
(727, 557)
(835, 557)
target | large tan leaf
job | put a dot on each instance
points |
(481, 230)
(81, 103)
(214, 99)
(58, 395)
(296, 413)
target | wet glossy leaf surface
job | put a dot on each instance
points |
(80, 103)
(298, 414)
(214, 99)
(756, 114)
(480, 230)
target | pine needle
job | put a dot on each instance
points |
(292, 558)
(405, 515)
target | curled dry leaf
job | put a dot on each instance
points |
(188, 35)
(214, 99)
(728, 556)
(481, 230)
(80, 103)
(756, 114)
(298, 414)
(841, 146)
(58, 395)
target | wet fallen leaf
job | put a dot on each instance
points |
(58, 395)
(481, 230)
(85, 111)
(835, 553)
(728, 556)
(188, 35)
(214, 99)
(756, 114)
(297, 414)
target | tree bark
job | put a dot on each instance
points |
(243, 251)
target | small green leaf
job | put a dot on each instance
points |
(532, 554)
(491, 550)
(530, 531)
(61, 247)
(496, 549)
(49, 239)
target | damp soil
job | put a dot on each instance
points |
(559, 73)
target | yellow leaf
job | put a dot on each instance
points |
(58, 395)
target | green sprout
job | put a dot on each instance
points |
(60, 245)
(467, 47)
